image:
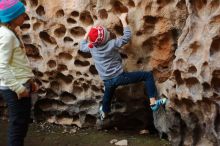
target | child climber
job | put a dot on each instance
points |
(108, 62)
(15, 71)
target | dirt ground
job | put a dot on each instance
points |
(54, 135)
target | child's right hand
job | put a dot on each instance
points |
(123, 16)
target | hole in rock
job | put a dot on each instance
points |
(77, 89)
(78, 31)
(150, 19)
(85, 86)
(217, 121)
(76, 82)
(47, 38)
(61, 67)
(192, 69)
(191, 81)
(162, 3)
(55, 86)
(66, 119)
(215, 19)
(81, 79)
(123, 56)
(75, 44)
(38, 82)
(193, 84)
(215, 46)
(84, 55)
(95, 17)
(98, 97)
(103, 14)
(118, 29)
(67, 97)
(75, 14)
(38, 73)
(67, 79)
(112, 34)
(194, 46)
(51, 74)
(197, 131)
(60, 31)
(198, 4)
(148, 45)
(64, 55)
(25, 27)
(50, 105)
(71, 20)
(178, 78)
(60, 13)
(90, 120)
(27, 17)
(93, 70)
(118, 7)
(139, 33)
(50, 93)
(206, 86)
(86, 103)
(181, 4)
(95, 88)
(81, 63)
(68, 39)
(32, 51)
(88, 82)
(175, 34)
(215, 82)
(37, 25)
(26, 39)
(34, 3)
(86, 18)
(213, 6)
(78, 73)
(40, 10)
(140, 60)
(131, 3)
(51, 63)
(148, 7)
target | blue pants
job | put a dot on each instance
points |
(19, 116)
(124, 79)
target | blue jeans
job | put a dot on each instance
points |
(19, 116)
(124, 79)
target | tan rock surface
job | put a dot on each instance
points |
(177, 39)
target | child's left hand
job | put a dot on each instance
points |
(87, 32)
(34, 86)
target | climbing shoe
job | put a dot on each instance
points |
(158, 103)
(102, 115)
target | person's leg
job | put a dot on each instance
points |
(105, 108)
(108, 94)
(123, 79)
(134, 77)
(19, 117)
(150, 87)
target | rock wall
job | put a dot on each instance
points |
(177, 39)
(193, 87)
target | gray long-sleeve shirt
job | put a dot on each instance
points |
(107, 59)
